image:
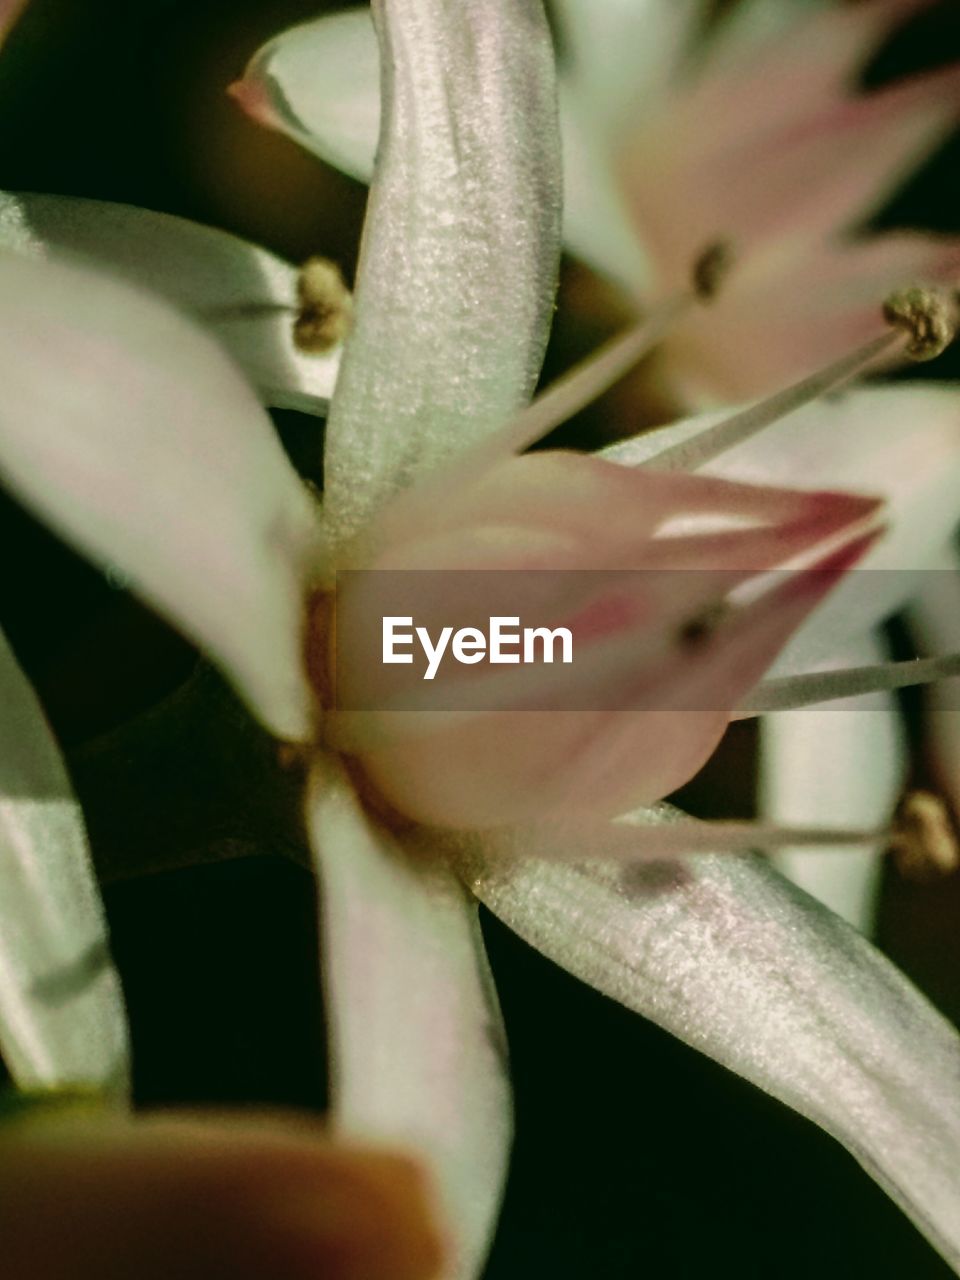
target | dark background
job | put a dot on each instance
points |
(634, 1156)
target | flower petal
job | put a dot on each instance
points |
(843, 764)
(62, 1020)
(319, 82)
(620, 54)
(460, 247)
(242, 294)
(819, 164)
(511, 765)
(901, 442)
(795, 309)
(419, 1058)
(129, 430)
(727, 955)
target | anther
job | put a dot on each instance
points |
(702, 627)
(923, 839)
(928, 315)
(784, 693)
(326, 307)
(711, 269)
(589, 379)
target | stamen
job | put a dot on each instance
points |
(788, 692)
(923, 322)
(923, 839)
(589, 379)
(630, 842)
(711, 269)
(572, 392)
(679, 838)
(326, 307)
(697, 631)
(929, 316)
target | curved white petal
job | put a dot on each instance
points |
(901, 442)
(62, 1020)
(319, 82)
(842, 765)
(242, 294)
(729, 956)
(127, 429)
(460, 246)
(418, 1050)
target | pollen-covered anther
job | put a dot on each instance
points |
(928, 315)
(923, 839)
(711, 269)
(325, 307)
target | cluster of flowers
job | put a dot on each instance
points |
(140, 435)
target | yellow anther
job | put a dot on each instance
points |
(928, 315)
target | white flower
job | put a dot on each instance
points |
(135, 435)
(671, 140)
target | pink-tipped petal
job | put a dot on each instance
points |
(639, 684)
(777, 58)
(319, 83)
(901, 442)
(819, 170)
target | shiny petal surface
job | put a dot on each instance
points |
(899, 442)
(460, 246)
(128, 429)
(734, 960)
(419, 1056)
(241, 294)
(843, 764)
(62, 1020)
